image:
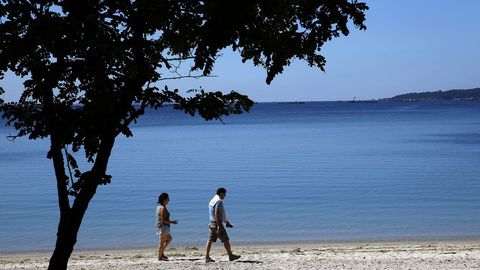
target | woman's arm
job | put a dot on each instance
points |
(163, 217)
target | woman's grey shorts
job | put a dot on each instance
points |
(163, 229)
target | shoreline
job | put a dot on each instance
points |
(271, 244)
(262, 244)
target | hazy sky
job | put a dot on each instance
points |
(409, 45)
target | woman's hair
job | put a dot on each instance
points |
(162, 198)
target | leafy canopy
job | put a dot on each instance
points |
(92, 67)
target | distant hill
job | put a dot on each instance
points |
(456, 94)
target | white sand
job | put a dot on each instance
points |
(393, 255)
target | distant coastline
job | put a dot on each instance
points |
(454, 94)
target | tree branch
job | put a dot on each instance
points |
(187, 76)
(132, 117)
(12, 138)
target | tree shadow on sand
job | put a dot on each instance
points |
(198, 259)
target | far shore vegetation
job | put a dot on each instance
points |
(454, 94)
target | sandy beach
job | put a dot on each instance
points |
(360, 255)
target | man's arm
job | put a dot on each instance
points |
(218, 218)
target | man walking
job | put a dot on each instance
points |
(218, 217)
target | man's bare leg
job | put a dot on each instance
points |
(228, 248)
(207, 251)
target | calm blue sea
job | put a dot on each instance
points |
(294, 172)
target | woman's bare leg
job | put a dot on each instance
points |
(164, 241)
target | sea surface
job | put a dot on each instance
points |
(323, 171)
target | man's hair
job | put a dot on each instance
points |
(221, 190)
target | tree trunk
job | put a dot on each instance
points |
(71, 218)
(69, 226)
(66, 239)
(70, 222)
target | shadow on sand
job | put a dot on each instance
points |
(248, 261)
(199, 259)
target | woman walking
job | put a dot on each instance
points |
(163, 225)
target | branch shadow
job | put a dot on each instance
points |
(249, 261)
(188, 259)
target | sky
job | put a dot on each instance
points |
(409, 46)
